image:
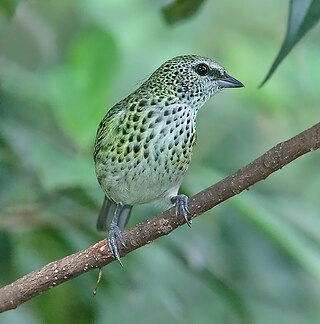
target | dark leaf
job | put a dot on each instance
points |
(303, 15)
(181, 9)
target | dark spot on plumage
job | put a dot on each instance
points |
(145, 154)
(181, 168)
(113, 158)
(150, 113)
(122, 140)
(128, 149)
(170, 146)
(171, 130)
(143, 103)
(138, 138)
(131, 137)
(158, 119)
(163, 130)
(135, 118)
(124, 131)
(142, 129)
(120, 159)
(145, 146)
(144, 120)
(168, 121)
(136, 148)
(132, 107)
(166, 112)
(181, 131)
(180, 108)
(173, 111)
(176, 142)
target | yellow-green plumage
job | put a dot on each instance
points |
(144, 143)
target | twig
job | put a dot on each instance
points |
(97, 255)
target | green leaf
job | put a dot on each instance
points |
(80, 87)
(7, 7)
(51, 161)
(181, 9)
(303, 15)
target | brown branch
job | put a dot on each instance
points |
(96, 256)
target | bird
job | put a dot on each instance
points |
(144, 143)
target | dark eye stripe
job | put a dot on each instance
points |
(216, 73)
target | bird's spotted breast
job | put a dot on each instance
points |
(151, 153)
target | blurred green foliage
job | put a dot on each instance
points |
(254, 259)
(303, 15)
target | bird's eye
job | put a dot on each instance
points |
(202, 69)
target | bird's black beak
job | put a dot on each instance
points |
(227, 81)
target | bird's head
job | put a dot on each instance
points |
(191, 77)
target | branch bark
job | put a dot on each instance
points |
(97, 255)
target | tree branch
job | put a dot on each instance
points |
(97, 256)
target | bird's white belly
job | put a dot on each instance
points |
(144, 183)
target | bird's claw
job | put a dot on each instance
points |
(181, 204)
(115, 236)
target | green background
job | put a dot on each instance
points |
(254, 259)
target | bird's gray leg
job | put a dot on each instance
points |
(115, 233)
(181, 204)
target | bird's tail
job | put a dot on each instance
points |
(107, 212)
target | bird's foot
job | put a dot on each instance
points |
(181, 204)
(115, 236)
